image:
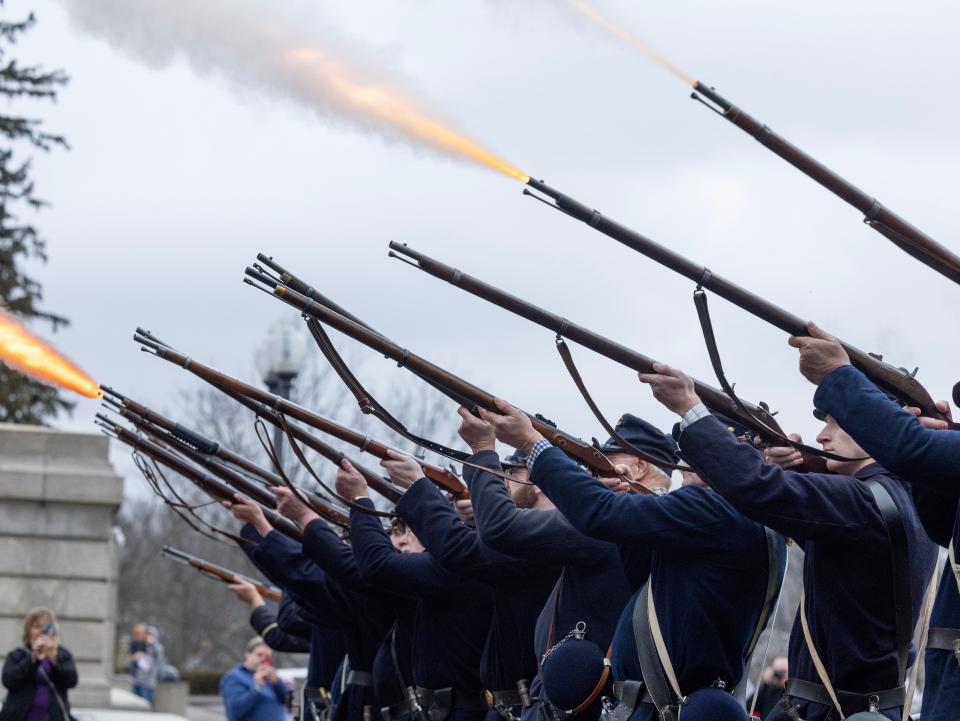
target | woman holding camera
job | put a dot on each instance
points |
(38, 674)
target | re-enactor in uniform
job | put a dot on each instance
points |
(856, 524)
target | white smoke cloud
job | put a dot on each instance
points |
(275, 48)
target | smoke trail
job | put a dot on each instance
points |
(281, 49)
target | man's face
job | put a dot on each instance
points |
(835, 440)
(406, 542)
(522, 492)
(259, 656)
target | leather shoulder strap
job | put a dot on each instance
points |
(655, 665)
(902, 600)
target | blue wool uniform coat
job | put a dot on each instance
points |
(847, 571)
(707, 560)
(519, 588)
(326, 642)
(332, 605)
(931, 461)
(592, 586)
(453, 611)
(392, 662)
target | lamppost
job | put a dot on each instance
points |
(280, 359)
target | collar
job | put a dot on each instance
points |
(871, 470)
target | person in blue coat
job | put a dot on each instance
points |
(923, 452)
(518, 520)
(331, 604)
(453, 611)
(708, 564)
(519, 590)
(392, 663)
(251, 690)
(849, 586)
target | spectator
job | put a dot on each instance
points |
(38, 674)
(251, 690)
(772, 683)
(146, 660)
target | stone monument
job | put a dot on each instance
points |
(58, 497)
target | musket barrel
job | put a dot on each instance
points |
(892, 379)
(712, 397)
(221, 573)
(214, 488)
(895, 228)
(422, 367)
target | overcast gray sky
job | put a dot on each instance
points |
(177, 179)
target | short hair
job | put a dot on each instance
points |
(32, 617)
(397, 526)
(253, 643)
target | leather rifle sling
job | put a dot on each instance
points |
(655, 665)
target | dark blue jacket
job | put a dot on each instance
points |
(519, 588)
(393, 660)
(847, 571)
(707, 560)
(930, 460)
(331, 605)
(453, 611)
(592, 588)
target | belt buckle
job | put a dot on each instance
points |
(488, 697)
(873, 703)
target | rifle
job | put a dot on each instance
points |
(233, 387)
(219, 573)
(447, 382)
(896, 381)
(214, 488)
(712, 397)
(896, 229)
(211, 455)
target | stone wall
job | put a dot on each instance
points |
(58, 496)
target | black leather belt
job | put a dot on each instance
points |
(851, 703)
(450, 698)
(402, 708)
(502, 699)
(358, 678)
(944, 639)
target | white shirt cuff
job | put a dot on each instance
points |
(693, 415)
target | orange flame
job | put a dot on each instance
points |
(386, 105)
(620, 33)
(26, 353)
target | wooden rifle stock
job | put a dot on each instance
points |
(582, 451)
(214, 488)
(897, 381)
(235, 388)
(896, 229)
(220, 573)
